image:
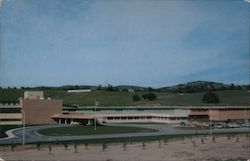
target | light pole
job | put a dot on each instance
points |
(210, 121)
(23, 119)
(96, 104)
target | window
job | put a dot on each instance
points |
(10, 110)
(10, 119)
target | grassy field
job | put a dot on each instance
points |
(228, 97)
(89, 130)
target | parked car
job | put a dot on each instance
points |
(186, 124)
(218, 126)
(74, 123)
(246, 124)
(233, 125)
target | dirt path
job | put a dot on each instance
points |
(189, 149)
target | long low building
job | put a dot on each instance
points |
(163, 114)
(132, 114)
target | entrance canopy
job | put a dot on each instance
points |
(74, 118)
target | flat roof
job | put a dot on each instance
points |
(80, 108)
(74, 116)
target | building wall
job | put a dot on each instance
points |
(40, 111)
(10, 118)
(233, 114)
(138, 117)
(223, 113)
(199, 112)
(10, 114)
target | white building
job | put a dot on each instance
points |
(130, 114)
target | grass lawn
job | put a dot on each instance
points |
(4, 128)
(228, 97)
(89, 130)
(144, 123)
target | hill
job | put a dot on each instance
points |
(117, 98)
(200, 86)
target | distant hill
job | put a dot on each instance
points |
(200, 86)
(186, 94)
(189, 87)
(127, 87)
(65, 87)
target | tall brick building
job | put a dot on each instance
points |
(38, 110)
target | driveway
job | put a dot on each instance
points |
(32, 136)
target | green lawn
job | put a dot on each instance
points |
(89, 130)
(4, 128)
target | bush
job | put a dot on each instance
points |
(136, 98)
(149, 96)
(210, 98)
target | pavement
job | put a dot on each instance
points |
(15, 136)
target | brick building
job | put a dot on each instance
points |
(40, 111)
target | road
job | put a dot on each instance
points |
(31, 136)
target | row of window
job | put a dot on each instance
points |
(10, 119)
(228, 109)
(10, 110)
(9, 103)
(145, 117)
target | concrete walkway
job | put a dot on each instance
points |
(31, 135)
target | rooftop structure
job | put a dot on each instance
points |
(79, 91)
(33, 95)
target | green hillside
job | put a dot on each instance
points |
(110, 98)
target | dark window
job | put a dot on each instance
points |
(10, 119)
(10, 110)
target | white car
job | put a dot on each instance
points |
(246, 124)
(218, 126)
(233, 125)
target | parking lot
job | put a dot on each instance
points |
(215, 124)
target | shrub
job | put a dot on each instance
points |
(210, 98)
(149, 96)
(136, 98)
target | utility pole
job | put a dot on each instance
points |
(23, 120)
(210, 122)
(96, 104)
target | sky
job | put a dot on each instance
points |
(152, 43)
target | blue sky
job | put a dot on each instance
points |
(134, 42)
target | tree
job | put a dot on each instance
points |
(65, 146)
(110, 88)
(210, 97)
(136, 98)
(232, 86)
(145, 96)
(75, 148)
(150, 89)
(99, 87)
(38, 146)
(149, 96)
